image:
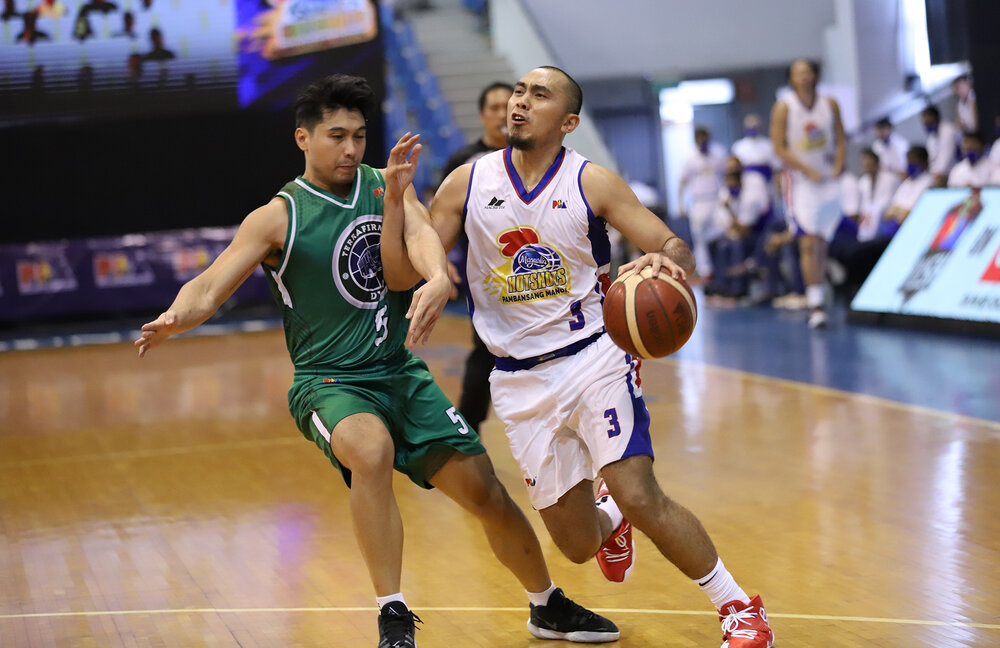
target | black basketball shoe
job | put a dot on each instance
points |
(396, 626)
(561, 618)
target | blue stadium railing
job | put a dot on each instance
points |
(414, 101)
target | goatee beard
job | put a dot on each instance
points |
(519, 143)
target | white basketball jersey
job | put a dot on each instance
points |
(810, 134)
(538, 260)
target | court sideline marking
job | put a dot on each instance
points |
(806, 617)
(833, 392)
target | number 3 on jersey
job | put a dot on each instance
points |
(576, 309)
(381, 324)
(612, 416)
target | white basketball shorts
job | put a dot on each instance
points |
(814, 207)
(569, 417)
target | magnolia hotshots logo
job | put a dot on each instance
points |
(532, 269)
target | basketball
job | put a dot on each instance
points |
(649, 317)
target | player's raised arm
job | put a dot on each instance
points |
(611, 199)
(449, 204)
(410, 247)
(400, 197)
(260, 236)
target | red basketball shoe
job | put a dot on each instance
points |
(745, 625)
(616, 557)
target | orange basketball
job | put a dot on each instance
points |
(648, 317)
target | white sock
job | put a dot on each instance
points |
(382, 600)
(608, 505)
(815, 296)
(541, 598)
(719, 585)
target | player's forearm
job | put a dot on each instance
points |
(193, 305)
(396, 267)
(426, 254)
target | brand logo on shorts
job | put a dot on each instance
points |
(357, 262)
(495, 203)
(530, 481)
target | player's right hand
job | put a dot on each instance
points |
(657, 261)
(399, 170)
(425, 309)
(156, 332)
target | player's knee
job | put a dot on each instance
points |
(482, 493)
(491, 499)
(372, 456)
(577, 551)
(638, 504)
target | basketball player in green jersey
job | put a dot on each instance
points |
(358, 393)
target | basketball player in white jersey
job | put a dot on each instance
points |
(570, 400)
(809, 138)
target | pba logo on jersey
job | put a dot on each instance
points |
(357, 262)
(533, 270)
(559, 204)
(815, 137)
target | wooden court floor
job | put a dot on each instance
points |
(171, 502)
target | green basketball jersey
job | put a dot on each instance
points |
(338, 313)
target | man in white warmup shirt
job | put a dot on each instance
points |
(875, 189)
(890, 148)
(701, 179)
(942, 144)
(754, 149)
(975, 168)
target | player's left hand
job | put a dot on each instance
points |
(154, 333)
(658, 261)
(425, 309)
(402, 163)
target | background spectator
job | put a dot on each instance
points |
(942, 144)
(968, 120)
(975, 169)
(890, 148)
(701, 180)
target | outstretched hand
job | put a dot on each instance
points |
(658, 261)
(156, 332)
(425, 309)
(402, 163)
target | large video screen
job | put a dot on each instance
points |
(944, 262)
(68, 59)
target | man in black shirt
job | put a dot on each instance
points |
(475, 401)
